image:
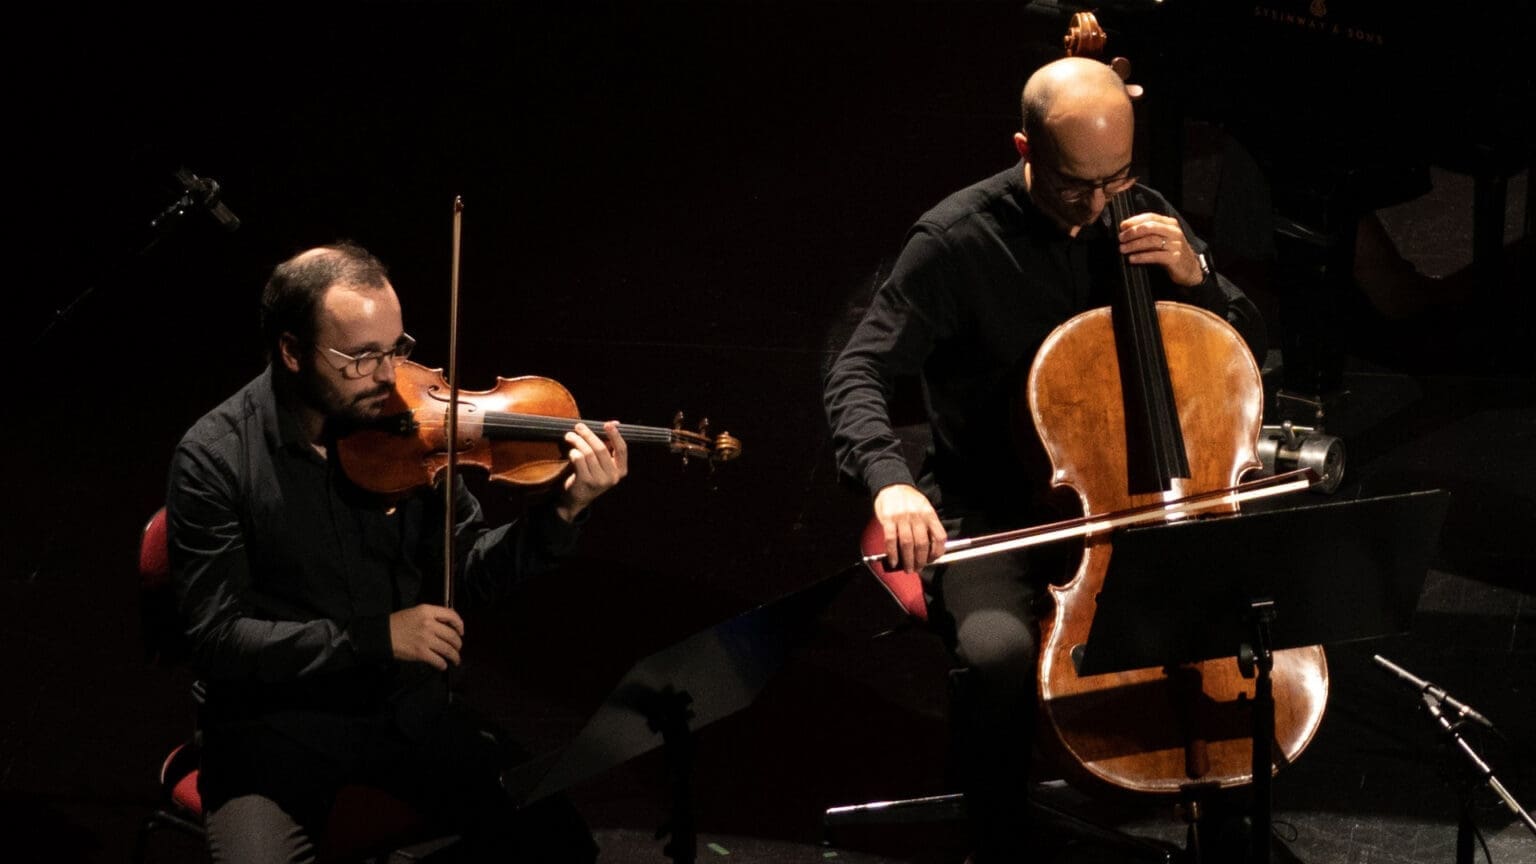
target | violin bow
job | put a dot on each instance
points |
(449, 519)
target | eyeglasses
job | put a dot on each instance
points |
(1075, 189)
(365, 364)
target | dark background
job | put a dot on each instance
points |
(673, 206)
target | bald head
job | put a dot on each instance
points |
(1073, 90)
(1079, 133)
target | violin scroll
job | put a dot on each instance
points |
(699, 445)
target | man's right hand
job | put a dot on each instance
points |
(914, 535)
(427, 634)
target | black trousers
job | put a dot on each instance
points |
(987, 611)
(267, 798)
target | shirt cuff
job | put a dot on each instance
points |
(370, 634)
(887, 472)
(1207, 294)
(555, 534)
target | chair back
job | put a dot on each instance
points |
(364, 821)
(158, 620)
(154, 555)
(905, 586)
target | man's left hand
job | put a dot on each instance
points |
(596, 467)
(1152, 238)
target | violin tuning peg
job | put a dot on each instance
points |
(677, 421)
(726, 448)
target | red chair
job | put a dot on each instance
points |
(364, 823)
(905, 587)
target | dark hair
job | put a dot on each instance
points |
(1033, 105)
(296, 286)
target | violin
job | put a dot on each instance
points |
(515, 431)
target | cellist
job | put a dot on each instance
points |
(308, 604)
(984, 276)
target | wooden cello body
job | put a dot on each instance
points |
(1104, 415)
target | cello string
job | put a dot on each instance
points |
(1167, 440)
(1135, 281)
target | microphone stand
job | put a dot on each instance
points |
(196, 192)
(1434, 698)
(1484, 773)
(207, 194)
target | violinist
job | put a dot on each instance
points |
(309, 604)
(984, 276)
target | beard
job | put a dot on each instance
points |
(338, 406)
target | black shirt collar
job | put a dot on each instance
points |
(279, 417)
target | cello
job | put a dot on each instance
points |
(1135, 402)
(1192, 387)
(1174, 409)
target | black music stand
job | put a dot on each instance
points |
(667, 697)
(1255, 583)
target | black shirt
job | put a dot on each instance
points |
(286, 575)
(982, 279)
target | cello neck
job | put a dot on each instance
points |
(1155, 450)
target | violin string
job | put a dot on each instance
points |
(537, 423)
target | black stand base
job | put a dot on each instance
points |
(668, 714)
(1041, 816)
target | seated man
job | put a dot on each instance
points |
(308, 602)
(984, 277)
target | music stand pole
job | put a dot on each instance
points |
(1263, 659)
(668, 714)
(1484, 773)
(1360, 578)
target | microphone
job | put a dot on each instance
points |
(1439, 695)
(208, 190)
